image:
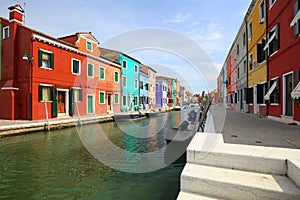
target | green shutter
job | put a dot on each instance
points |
(40, 58)
(71, 102)
(116, 77)
(51, 60)
(54, 102)
(101, 97)
(40, 93)
(80, 94)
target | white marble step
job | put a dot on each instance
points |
(190, 196)
(209, 149)
(235, 184)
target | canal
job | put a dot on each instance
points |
(59, 165)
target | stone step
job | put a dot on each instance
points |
(235, 184)
(207, 149)
(190, 196)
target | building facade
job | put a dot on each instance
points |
(144, 87)
(282, 48)
(161, 94)
(152, 89)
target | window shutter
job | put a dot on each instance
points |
(260, 50)
(278, 90)
(80, 94)
(277, 36)
(54, 102)
(71, 102)
(248, 95)
(51, 60)
(40, 93)
(40, 58)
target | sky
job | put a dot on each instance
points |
(184, 39)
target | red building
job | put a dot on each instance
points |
(283, 47)
(41, 74)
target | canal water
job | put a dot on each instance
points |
(57, 165)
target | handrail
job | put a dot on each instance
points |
(47, 120)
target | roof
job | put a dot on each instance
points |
(74, 37)
(113, 54)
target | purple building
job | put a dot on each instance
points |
(161, 94)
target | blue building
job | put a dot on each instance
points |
(130, 78)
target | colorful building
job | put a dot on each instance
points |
(144, 87)
(257, 65)
(283, 47)
(231, 78)
(152, 89)
(45, 76)
(161, 94)
(130, 78)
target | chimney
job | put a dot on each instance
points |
(16, 14)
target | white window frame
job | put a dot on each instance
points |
(123, 64)
(136, 85)
(87, 71)
(102, 92)
(271, 39)
(48, 52)
(49, 86)
(74, 59)
(77, 88)
(124, 95)
(118, 77)
(100, 73)
(4, 29)
(124, 86)
(118, 98)
(87, 45)
(262, 19)
(271, 4)
(136, 67)
(284, 91)
(87, 103)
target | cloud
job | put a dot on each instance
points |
(178, 18)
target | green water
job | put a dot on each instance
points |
(56, 165)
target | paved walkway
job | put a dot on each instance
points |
(245, 128)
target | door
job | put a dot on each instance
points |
(108, 101)
(61, 102)
(90, 104)
(241, 99)
(288, 91)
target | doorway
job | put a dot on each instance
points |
(61, 102)
(108, 102)
(288, 82)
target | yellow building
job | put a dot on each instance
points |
(257, 62)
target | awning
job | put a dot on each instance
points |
(296, 18)
(296, 92)
(267, 96)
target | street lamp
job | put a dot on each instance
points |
(28, 58)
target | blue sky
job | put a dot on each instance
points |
(212, 24)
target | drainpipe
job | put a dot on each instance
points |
(267, 58)
(247, 71)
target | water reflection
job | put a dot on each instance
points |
(56, 165)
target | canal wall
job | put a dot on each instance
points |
(18, 127)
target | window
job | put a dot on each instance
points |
(124, 64)
(141, 85)
(156, 87)
(251, 62)
(124, 100)
(275, 95)
(45, 93)
(296, 21)
(238, 72)
(46, 59)
(244, 39)
(147, 86)
(102, 73)
(262, 12)
(75, 66)
(77, 95)
(250, 30)
(261, 91)
(272, 2)
(124, 81)
(116, 98)
(90, 70)
(249, 95)
(245, 66)
(273, 43)
(116, 77)
(261, 53)
(89, 46)
(135, 68)
(6, 32)
(101, 97)
(135, 84)
(135, 101)
(238, 49)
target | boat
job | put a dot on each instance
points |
(128, 117)
(177, 108)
